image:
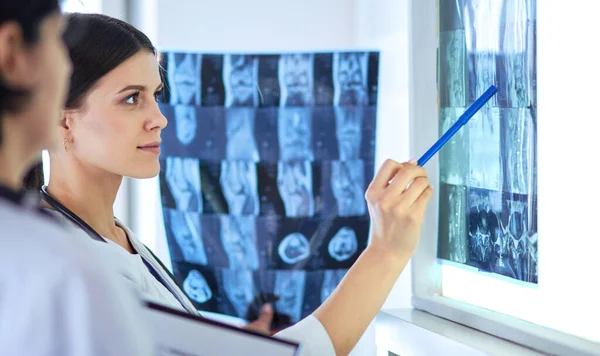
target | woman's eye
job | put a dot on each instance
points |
(132, 99)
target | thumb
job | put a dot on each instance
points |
(263, 323)
(266, 314)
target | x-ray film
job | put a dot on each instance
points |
(265, 164)
(488, 192)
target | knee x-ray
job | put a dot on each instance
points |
(488, 193)
(183, 180)
(265, 165)
(238, 236)
(240, 76)
(296, 79)
(347, 184)
(183, 72)
(239, 185)
(294, 180)
(186, 231)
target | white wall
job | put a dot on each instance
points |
(255, 25)
(384, 25)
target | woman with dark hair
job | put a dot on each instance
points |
(53, 298)
(111, 128)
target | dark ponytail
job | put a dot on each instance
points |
(97, 44)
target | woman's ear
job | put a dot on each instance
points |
(69, 117)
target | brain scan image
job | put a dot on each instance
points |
(238, 237)
(294, 248)
(350, 79)
(186, 230)
(296, 79)
(183, 179)
(294, 180)
(239, 288)
(343, 245)
(347, 184)
(348, 130)
(186, 123)
(239, 184)
(331, 280)
(183, 71)
(294, 127)
(289, 287)
(240, 75)
(241, 143)
(196, 287)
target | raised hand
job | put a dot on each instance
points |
(397, 198)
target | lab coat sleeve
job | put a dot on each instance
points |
(311, 334)
(69, 309)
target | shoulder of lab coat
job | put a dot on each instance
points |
(56, 295)
(311, 334)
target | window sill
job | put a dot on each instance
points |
(414, 332)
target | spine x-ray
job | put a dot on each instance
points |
(265, 164)
(488, 171)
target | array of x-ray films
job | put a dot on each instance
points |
(488, 171)
(265, 163)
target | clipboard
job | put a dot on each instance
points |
(177, 333)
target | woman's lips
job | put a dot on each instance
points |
(151, 148)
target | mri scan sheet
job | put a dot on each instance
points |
(488, 171)
(265, 163)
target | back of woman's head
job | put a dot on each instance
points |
(97, 44)
(28, 14)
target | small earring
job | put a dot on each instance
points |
(66, 145)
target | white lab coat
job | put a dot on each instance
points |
(57, 297)
(309, 331)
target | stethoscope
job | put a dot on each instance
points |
(70, 215)
(96, 236)
(93, 233)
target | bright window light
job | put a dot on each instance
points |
(566, 297)
(88, 6)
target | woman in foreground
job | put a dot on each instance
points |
(54, 299)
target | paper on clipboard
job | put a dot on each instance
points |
(177, 333)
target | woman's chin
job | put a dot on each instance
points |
(147, 172)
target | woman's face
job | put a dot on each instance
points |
(119, 126)
(44, 69)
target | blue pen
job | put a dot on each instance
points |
(462, 120)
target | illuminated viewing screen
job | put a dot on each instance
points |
(488, 183)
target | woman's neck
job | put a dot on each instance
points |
(89, 193)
